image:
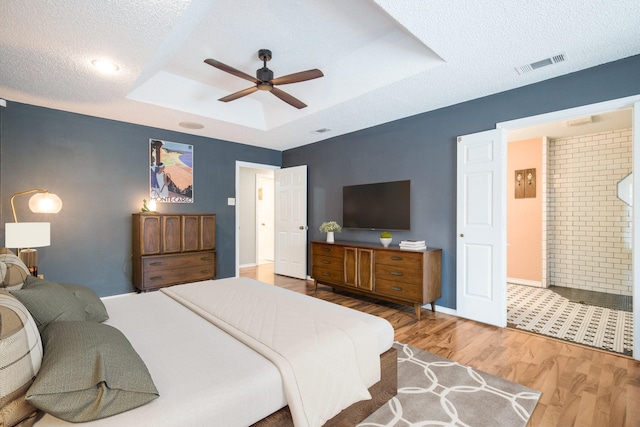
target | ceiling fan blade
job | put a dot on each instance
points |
(224, 67)
(239, 94)
(297, 77)
(288, 98)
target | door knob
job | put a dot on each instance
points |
(461, 235)
(303, 227)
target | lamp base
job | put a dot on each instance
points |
(30, 259)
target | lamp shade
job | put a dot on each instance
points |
(27, 234)
(45, 203)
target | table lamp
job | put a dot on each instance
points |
(31, 235)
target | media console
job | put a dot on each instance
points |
(391, 274)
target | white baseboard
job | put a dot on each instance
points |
(247, 265)
(445, 310)
(524, 282)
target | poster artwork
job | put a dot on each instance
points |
(171, 171)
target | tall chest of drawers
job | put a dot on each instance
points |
(172, 249)
(392, 274)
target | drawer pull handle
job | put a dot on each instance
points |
(397, 258)
(155, 278)
(206, 258)
(326, 249)
(396, 288)
(396, 273)
(326, 274)
(324, 261)
(156, 263)
(205, 271)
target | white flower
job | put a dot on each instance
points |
(328, 226)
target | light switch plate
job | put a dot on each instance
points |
(231, 201)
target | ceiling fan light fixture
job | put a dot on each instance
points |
(264, 80)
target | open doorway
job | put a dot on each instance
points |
(569, 254)
(255, 206)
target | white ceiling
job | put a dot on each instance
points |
(382, 59)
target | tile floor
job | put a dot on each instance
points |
(599, 299)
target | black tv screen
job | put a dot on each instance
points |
(379, 206)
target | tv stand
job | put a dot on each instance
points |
(391, 274)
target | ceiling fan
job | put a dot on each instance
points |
(264, 80)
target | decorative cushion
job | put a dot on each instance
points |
(89, 371)
(50, 302)
(13, 272)
(93, 306)
(91, 303)
(20, 359)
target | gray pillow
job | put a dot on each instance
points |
(93, 306)
(50, 302)
(89, 371)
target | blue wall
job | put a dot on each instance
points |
(422, 148)
(100, 170)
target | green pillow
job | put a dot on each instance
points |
(93, 306)
(89, 371)
(50, 302)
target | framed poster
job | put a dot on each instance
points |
(170, 171)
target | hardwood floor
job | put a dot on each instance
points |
(580, 386)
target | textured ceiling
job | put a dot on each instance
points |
(382, 59)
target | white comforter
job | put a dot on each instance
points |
(326, 362)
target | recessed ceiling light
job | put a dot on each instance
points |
(105, 66)
(191, 125)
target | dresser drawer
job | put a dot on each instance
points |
(160, 278)
(327, 250)
(328, 262)
(406, 291)
(156, 263)
(398, 274)
(399, 258)
(322, 274)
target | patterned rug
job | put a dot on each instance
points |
(545, 312)
(434, 391)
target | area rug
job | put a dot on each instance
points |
(434, 391)
(546, 312)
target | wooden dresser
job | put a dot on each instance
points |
(172, 249)
(391, 274)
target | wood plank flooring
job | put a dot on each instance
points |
(580, 386)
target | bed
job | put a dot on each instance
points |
(204, 376)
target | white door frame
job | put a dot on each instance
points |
(599, 108)
(238, 202)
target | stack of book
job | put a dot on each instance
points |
(413, 245)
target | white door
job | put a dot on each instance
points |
(291, 222)
(481, 273)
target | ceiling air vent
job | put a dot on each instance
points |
(542, 63)
(321, 131)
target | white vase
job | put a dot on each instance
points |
(386, 241)
(330, 237)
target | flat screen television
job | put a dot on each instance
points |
(379, 206)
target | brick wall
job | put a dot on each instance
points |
(589, 228)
